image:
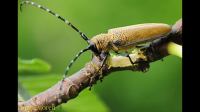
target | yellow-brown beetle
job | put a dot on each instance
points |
(126, 38)
(117, 39)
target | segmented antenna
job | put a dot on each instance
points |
(28, 2)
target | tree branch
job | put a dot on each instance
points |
(74, 84)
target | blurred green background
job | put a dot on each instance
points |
(42, 35)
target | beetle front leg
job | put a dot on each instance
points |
(96, 74)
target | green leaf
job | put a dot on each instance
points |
(34, 65)
(22, 93)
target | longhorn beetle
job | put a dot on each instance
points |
(117, 39)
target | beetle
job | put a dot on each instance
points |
(116, 39)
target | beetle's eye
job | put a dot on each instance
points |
(93, 47)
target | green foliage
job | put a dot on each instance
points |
(44, 36)
(34, 65)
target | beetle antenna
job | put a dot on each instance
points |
(88, 48)
(28, 2)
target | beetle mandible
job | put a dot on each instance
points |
(117, 39)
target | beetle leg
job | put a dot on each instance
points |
(151, 45)
(143, 66)
(126, 55)
(101, 65)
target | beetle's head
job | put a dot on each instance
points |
(93, 45)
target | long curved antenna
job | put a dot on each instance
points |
(28, 2)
